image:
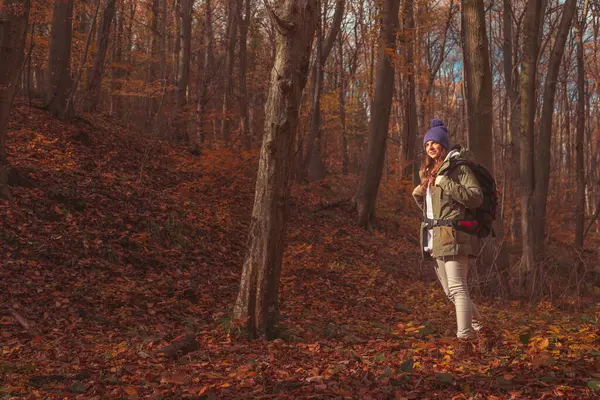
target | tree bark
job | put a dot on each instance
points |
(579, 161)
(511, 82)
(207, 68)
(544, 148)
(314, 160)
(185, 50)
(229, 63)
(478, 81)
(244, 22)
(411, 126)
(60, 82)
(342, 99)
(117, 71)
(14, 17)
(528, 107)
(257, 301)
(380, 116)
(94, 84)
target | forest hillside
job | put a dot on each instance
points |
(121, 261)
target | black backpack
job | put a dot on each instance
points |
(480, 219)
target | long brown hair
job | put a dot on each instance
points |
(429, 168)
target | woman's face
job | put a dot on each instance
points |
(434, 150)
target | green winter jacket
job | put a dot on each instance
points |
(450, 198)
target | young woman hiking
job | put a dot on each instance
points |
(444, 199)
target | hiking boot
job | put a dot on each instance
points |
(464, 347)
(485, 340)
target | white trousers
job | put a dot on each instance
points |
(452, 273)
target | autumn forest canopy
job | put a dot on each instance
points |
(212, 198)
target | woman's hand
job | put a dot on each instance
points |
(419, 191)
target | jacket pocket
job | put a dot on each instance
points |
(445, 235)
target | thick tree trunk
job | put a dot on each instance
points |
(60, 58)
(94, 84)
(257, 301)
(244, 22)
(478, 80)
(229, 63)
(544, 148)
(579, 161)
(380, 116)
(14, 16)
(528, 107)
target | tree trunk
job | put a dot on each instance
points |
(380, 116)
(162, 43)
(207, 68)
(117, 72)
(544, 149)
(314, 159)
(579, 164)
(229, 63)
(528, 107)
(244, 22)
(257, 301)
(411, 130)
(94, 84)
(478, 80)
(511, 82)
(185, 50)
(59, 63)
(342, 99)
(14, 16)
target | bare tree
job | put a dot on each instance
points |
(93, 87)
(528, 106)
(366, 194)
(60, 58)
(579, 160)
(411, 127)
(257, 301)
(232, 25)
(185, 51)
(244, 22)
(314, 162)
(207, 68)
(14, 17)
(342, 100)
(542, 163)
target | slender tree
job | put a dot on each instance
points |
(93, 86)
(542, 161)
(244, 23)
(232, 25)
(579, 137)
(528, 106)
(366, 194)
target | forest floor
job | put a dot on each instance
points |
(128, 244)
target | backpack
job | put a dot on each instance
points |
(482, 217)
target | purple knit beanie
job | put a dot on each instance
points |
(438, 133)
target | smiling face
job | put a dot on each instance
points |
(434, 150)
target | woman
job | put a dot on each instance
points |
(445, 199)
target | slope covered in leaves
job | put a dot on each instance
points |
(127, 244)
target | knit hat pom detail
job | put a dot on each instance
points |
(438, 122)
